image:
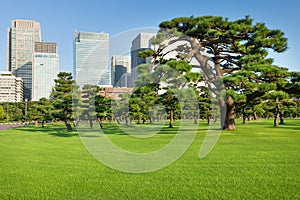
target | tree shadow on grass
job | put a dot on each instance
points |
(61, 134)
(54, 131)
(113, 129)
(289, 127)
(108, 129)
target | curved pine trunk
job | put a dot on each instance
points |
(276, 119)
(255, 117)
(195, 118)
(171, 119)
(151, 120)
(100, 122)
(68, 125)
(230, 115)
(281, 117)
(91, 123)
(223, 109)
(208, 120)
(244, 116)
(75, 123)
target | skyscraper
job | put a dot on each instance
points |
(91, 59)
(20, 48)
(121, 71)
(45, 69)
(140, 43)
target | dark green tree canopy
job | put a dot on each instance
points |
(64, 95)
(232, 55)
(231, 44)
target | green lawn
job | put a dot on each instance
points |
(257, 161)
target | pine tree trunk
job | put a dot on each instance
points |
(68, 125)
(244, 116)
(171, 119)
(255, 117)
(195, 118)
(208, 120)
(151, 120)
(281, 118)
(100, 122)
(75, 123)
(230, 115)
(276, 119)
(91, 123)
(223, 109)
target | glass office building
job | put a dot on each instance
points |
(21, 38)
(121, 71)
(91, 59)
(45, 69)
(140, 43)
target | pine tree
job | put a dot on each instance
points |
(219, 47)
(64, 95)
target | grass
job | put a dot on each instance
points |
(257, 161)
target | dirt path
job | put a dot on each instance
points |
(8, 126)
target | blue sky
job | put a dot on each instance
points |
(59, 19)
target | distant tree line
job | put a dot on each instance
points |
(72, 105)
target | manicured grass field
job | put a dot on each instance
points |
(257, 161)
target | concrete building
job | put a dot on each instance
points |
(21, 38)
(121, 71)
(45, 69)
(140, 43)
(91, 59)
(11, 88)
(115, 92)
(19, 90)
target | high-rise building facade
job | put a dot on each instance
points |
(11, 88)
(140, 43)
(45, 69)
(21, 38)
(91, 59)
(121, 71)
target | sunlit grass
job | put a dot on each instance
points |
(257, 161)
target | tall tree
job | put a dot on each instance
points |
(64, 94)
(277, 102)
(171, 103)
(88, 95)
(103, 108)
(143, 100)
(45, 107)
(34, 113)
(173, 77)
(219, 47)
(121, 108)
